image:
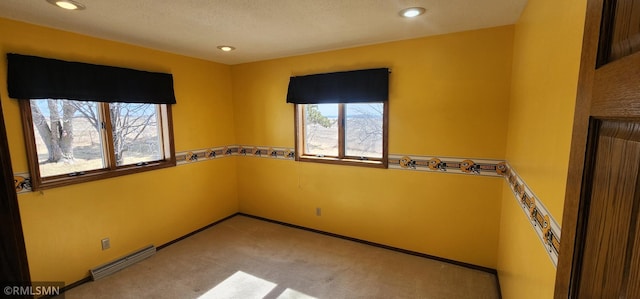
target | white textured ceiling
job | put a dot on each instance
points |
(262, 29)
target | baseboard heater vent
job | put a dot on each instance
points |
(121, 263)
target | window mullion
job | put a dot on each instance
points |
(341, 134)
(302, 120)
(107, 136)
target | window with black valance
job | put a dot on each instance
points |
(85, 122)
(32, 77)
(342, 117)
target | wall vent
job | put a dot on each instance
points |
(121, 263)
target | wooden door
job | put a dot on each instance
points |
(13, 257)
(611, 241)
(600, 243)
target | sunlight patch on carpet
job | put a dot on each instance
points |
(246, 286)
(240, 285)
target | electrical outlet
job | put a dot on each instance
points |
(106, 243)
(318, 212)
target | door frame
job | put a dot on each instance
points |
(12, 249)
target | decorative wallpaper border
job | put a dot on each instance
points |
(545, 226)
(234, 150)
(543, 223)
(482, 167)
(22, 182)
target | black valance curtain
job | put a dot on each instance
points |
(31, 77)
(360, 86)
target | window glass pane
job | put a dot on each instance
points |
(136, 133)
(67, 136)
(321, 129)
(363, 129)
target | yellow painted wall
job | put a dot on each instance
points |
(448, 97)
(524, 268)
(546, 58)
(63, 226)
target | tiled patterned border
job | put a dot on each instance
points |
(543, 223)
(545, 226)
(22, 181)
(450, 165)
(233, 150)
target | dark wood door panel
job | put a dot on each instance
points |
(625, 29)
(610, 218)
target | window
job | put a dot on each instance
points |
(342, 117)
(84, 122)
(77, 141)
(353, 133)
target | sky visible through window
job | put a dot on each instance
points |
(331, 112)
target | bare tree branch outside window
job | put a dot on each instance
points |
(363, 129)
(70, 134)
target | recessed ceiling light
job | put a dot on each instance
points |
(67, 4)
(226, 48)
(412, 12)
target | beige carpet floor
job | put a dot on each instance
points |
(248, 258)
